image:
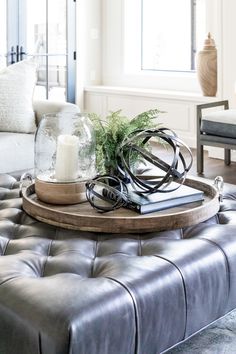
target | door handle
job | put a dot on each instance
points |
(17, 53)
(12, 55)
(22, 52)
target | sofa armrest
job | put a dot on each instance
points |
(44, 106)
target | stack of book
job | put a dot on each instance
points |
(148, 203)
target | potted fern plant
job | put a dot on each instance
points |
(111, 131)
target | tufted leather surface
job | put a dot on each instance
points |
(71, 292)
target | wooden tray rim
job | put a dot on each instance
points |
(136, 223)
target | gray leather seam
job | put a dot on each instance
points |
(14, 232)
(40, 344)
(48, 253)
(70, 349)
(184, 288)
(139, 246)
(5, 249)
(9, 279)
(225, 258)
(96, 248)
(94, 258)
(137, 344)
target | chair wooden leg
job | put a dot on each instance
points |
(227, 157)
(199, 158)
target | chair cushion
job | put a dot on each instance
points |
(17, 84)
(221, 123)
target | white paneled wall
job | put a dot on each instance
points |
(180, 112)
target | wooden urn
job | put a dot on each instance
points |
(207, 67)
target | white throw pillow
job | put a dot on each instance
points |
(17, 84)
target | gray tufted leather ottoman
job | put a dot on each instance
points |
(74, 292)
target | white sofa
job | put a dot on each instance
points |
(17, 149)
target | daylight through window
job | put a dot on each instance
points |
(171, 33)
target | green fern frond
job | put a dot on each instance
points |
(111, 131)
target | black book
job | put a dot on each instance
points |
(148, 203)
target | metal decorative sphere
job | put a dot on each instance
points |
(106, 193)
(171, 167)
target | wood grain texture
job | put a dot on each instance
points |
(60, 193)
(207, 68)
(84, 217)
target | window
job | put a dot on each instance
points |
(171, 32)
(3, 35)
(44, 29)
(123, 64)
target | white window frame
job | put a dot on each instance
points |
(16, 39)
(132, 75)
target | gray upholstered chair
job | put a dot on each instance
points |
(217, 128)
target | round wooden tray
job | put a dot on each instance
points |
(84, 217)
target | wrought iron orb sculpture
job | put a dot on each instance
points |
(107, 193)
(174, 170)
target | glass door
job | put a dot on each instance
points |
(45, 30)
(3, 34)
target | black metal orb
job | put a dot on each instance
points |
(164, 170)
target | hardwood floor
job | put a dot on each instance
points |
(215, 167)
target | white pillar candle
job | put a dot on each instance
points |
(66, 168)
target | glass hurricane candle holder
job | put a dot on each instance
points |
(64, 157)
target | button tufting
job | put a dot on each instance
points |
(71, 286)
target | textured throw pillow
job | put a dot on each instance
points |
(17, 84)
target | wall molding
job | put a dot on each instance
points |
(179, 107)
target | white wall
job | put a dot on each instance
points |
(229, 50)
(89, 46)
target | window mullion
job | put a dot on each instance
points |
(193, 33)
